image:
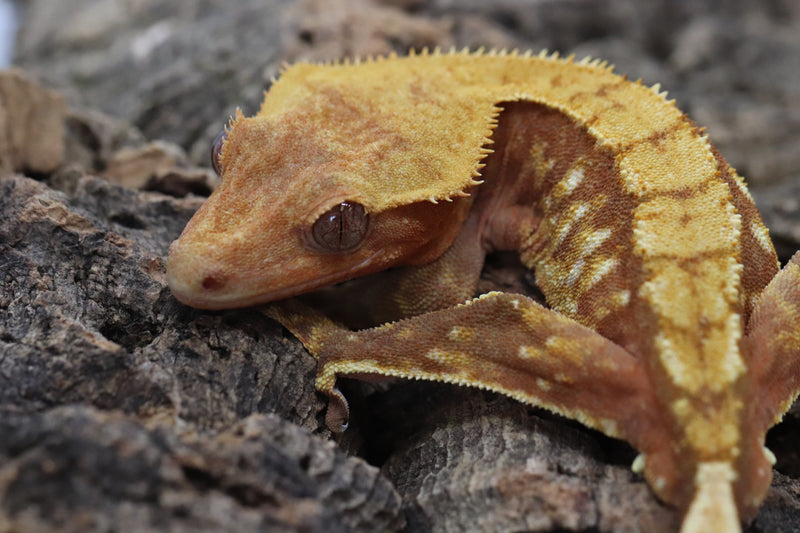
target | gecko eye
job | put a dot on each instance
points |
(341, 228)
(216, 150)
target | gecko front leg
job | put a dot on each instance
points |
(501, 342)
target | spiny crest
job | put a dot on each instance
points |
(452, 51)
(597, 63)
(285, 65)
(481, 51)
(656, 88)
(237, 115)
(457, 168)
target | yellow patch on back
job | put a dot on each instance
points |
(443, 107)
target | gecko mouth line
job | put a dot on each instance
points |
(230, 299)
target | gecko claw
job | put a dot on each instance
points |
(638, 464)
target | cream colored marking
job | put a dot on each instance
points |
(569, 307)
(553, 342)
(638, 464)
(575, 272)
(621, 298)
(563, 378)
(742, 186)
(548, 203)
(529, 352)
(600, 312)
(681, 408)
(515, 303)
(565, 222)
(761, 235)
(733, 365)
(673, 363)
(659, 484)
(484, 296)
(543, 384)
(713, 507)
(460, 333)
(351, 367)
(593, 239)
(569, 183)
(440, 356)
(603, 268)
(733, 287)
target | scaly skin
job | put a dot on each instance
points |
(669, 324)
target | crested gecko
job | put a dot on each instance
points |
(668, 322)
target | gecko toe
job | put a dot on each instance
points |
(338, 415)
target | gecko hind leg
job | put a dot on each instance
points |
(773, 338)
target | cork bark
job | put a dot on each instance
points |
(121, 409)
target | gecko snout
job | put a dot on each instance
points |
(205, 290)
(193, 278)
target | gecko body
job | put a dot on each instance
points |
(668, 322)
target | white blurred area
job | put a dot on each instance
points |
(8, 30)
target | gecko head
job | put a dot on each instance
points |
(291, 215)
(335, 177)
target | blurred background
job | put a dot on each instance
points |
(8, 29)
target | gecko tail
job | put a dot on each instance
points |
(713, 508)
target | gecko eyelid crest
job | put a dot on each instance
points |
(216, 151)
(341, 228)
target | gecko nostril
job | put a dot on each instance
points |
(212, 282)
